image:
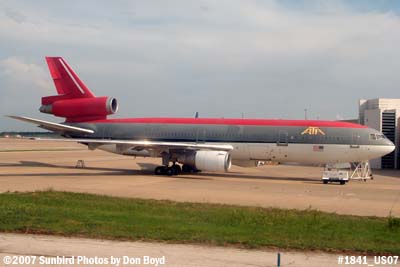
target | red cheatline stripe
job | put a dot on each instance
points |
(254, 122)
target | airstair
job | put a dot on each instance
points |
(342, 173)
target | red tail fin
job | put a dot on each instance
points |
(66, 81)
(74, 101)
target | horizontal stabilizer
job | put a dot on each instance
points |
(52, 126)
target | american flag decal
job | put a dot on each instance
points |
(318, 148)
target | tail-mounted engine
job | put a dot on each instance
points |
(80, 109)
(74, 100)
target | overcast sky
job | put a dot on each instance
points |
(265, 59)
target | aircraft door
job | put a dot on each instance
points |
(281, 151)
(283, 138)
(201, 134)
(106, 131)
(355, 142)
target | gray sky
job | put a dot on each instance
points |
(266, 59)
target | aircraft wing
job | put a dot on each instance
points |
(144, 144)
(52, 126)
(136, 144)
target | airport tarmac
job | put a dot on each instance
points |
(27, 165)
(84, 250)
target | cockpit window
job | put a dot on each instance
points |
(376, 136)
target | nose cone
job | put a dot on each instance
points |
(390, 148)
(384, 148)
(387, 148)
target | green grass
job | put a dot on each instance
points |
(135, 219)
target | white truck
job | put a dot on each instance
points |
(339, 176)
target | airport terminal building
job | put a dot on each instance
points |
(383, 114)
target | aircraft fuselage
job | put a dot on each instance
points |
(299, 141)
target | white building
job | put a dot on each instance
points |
(383, 114)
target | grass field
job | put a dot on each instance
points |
(135, 219)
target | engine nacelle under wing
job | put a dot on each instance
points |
(210, 161)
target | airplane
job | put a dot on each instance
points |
(199, 144)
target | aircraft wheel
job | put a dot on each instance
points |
(160, 170)
(325, 181)
(342, 182)
(169, 171)
(177, 169)
(187, 168)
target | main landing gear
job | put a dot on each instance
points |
(174, 169)
(171, 170)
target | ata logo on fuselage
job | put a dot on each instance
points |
(313, 131)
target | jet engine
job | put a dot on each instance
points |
(210, 161)
(78, 108)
